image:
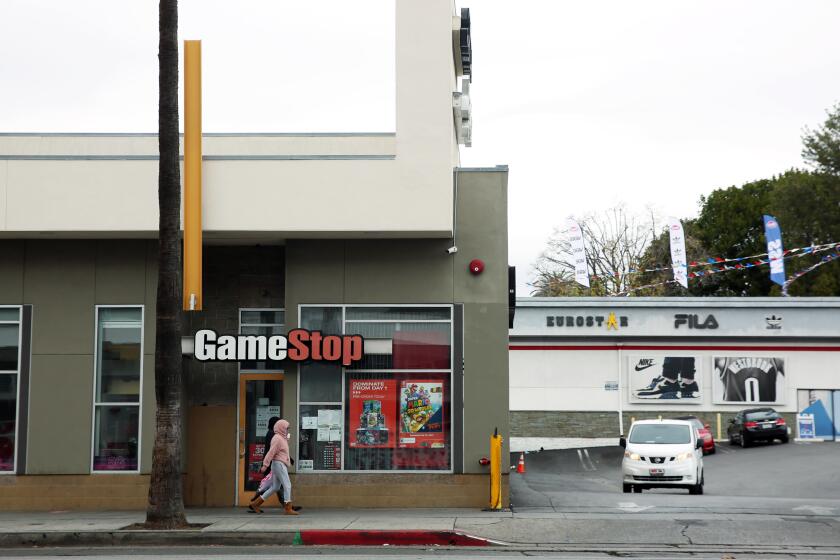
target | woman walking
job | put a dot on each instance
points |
(277, 457)
(269, 434)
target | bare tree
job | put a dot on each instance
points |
(166, 502)
(615, 244)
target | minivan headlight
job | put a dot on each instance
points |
(685, 456)
(632, 456)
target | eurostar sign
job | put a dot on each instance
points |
(298, 346)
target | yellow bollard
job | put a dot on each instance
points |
(660, 417)
(496, 470)
(632, 420)
(718, 426)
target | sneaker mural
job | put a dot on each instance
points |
(664, 378)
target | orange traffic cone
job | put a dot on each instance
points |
(520, 468)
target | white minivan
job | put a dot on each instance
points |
(662, 454)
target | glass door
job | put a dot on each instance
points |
(260, 399)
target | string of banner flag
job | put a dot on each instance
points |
(718, 261)
(826, 259)
(774, 257)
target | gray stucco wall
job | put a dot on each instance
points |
(64, 281)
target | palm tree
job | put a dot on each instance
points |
(166, 502)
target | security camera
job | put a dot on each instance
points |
(452, 250)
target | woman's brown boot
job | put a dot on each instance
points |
(256, 503)
(289, 510)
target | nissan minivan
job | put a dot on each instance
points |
(662, 454)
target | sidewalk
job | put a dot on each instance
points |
(236, 526)
(596, 528)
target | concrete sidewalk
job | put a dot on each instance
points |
(236, 526)
(530, 527)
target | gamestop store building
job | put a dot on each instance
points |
(364, 236)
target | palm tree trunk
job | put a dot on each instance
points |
(166, 502)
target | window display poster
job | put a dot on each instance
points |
(656, 378)
(256, 453)
(373, 413)
(421, 414)
(749, 379)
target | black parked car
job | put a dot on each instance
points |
(755, 424)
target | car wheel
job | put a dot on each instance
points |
(625, 488)
(743, 440)
(784, 439)
(637, 489)
(713, 450)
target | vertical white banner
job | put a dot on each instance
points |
(679, 263)
(578, 252)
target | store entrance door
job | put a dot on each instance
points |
(260, 398)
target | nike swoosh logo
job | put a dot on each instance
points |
(640, 368)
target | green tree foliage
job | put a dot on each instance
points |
(821, 147)
(807, 206)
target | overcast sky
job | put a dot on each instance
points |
(590, 102)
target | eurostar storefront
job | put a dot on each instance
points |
(585, 367)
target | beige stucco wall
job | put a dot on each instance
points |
(263, 186)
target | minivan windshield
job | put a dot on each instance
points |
(660, 433)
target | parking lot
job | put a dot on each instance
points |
(771, 477)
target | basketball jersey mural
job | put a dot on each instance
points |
(749, 379)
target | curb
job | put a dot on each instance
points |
(199, 537)
(145, 538)
(391, 538)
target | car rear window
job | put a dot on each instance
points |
(660, 433)
(762, 415)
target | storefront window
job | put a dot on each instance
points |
(394, 405)
(8, 417)
(116, 438)
(119, 355)
(262, 322)
(9, 337)
(9, 370)
(319, 448)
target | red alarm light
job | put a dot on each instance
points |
(476, 266)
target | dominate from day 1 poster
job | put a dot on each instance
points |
(421, 414)
(373, 404)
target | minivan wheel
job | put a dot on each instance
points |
(637, 489)
(743, 440)
(625, 488)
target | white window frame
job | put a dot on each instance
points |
(246, 371)
(239, 331)
(344, 370)
(139, 402)
(16, 373)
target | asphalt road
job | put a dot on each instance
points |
(754, 477)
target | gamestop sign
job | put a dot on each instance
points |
(299, 346)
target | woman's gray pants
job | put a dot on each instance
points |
(279, 478)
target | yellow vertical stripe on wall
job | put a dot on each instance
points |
(192, 175)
